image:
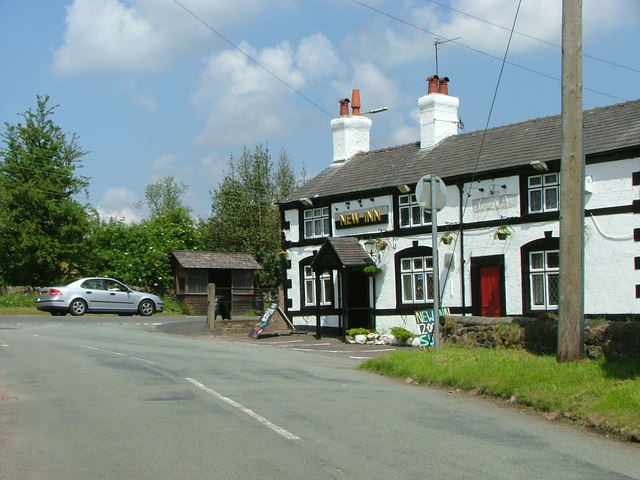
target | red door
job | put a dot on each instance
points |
(491, 291)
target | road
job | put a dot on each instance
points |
(113, 398)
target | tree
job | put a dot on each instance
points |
(244, 215)
(138, 254)
(163, 197)
(42, 225)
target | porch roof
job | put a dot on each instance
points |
(341, 253)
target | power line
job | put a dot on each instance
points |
(531, 37)
(486, 128)
(522, 67)
(254, 60)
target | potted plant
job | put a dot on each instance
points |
(380, 244)
(372, 270)
(503, 232)
(447, 238)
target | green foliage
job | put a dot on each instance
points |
(449, 328)
(42, 226)
(352, 332)
(401, 334)
(176, 307)
(508, 335)
(371, 270)
(138, 254)
(164, 197)
(11, 300)
(244, 213)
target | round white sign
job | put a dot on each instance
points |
(423, 193)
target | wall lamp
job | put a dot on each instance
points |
(404, 188)
(306, 202)
(539, 166)
(370, 248)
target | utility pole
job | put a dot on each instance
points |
(571, 300)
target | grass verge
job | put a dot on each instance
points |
(594, 393)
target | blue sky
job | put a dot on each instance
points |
(157, 88)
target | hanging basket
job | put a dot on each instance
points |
(371, 270)
(503, 232)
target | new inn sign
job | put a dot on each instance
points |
(359, 218)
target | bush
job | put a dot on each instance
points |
(11, 300)
(401, 334)
(352, 332)
(508, 335)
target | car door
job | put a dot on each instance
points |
(121, 299)
(96, 294)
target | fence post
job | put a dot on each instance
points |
(211, 305)
(281, 297)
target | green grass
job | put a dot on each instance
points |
(601, 395)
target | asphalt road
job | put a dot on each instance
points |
(119, 398)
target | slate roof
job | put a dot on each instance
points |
(341, 252)
(606, 129)
(218, 260)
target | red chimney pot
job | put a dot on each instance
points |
(433, 84)
(355, 101)
(344, 106)
(443, 88)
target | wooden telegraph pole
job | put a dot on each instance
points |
(571, 301)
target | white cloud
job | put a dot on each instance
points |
(164, 164)
(479, 26)
(244, 103)
(117, 203)
(146, 102)
(107, 36)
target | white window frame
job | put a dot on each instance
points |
(326, 287)
(416, 279)
(317, 222)
(411, 213)
(547, 188)
(544, 275)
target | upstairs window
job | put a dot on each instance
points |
(317, 223)
(411, 214)
(544, 193)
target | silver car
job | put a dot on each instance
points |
(97, 295)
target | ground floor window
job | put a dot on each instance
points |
(326, 287)
(416, 278)
(544, 277)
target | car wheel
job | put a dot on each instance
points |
(146, 308)
(78, 307)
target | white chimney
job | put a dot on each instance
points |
(350, 132)
(438, 113)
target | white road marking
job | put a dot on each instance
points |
(3, 344)
(119, 354)
(279, 430)
(282, 342)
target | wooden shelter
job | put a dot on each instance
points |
(232, 274)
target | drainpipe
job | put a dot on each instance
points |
(462, 262)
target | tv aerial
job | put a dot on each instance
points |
(437, 43)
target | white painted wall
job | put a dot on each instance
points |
(610, 275)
